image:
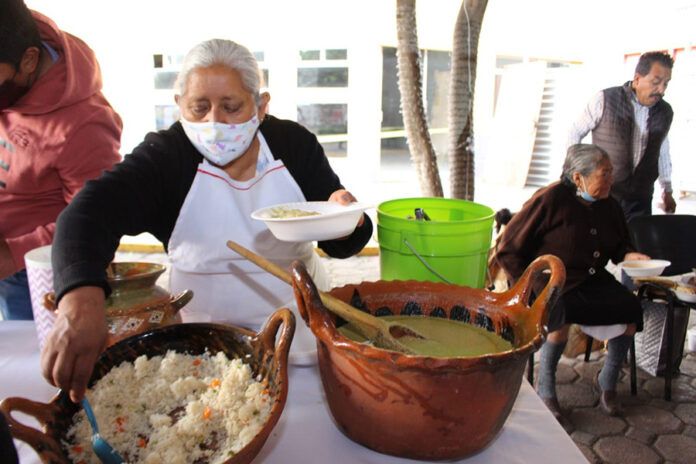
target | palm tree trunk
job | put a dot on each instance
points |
(412, 106)
(461, 98)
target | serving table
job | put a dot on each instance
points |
(305, 431)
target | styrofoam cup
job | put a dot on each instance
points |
(40, 277)
(692, 339)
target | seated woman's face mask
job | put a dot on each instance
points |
(585, 195)
(221, 143)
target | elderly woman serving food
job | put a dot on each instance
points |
(576, 220)
(194, 186)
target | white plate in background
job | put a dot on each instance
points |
(644, 268)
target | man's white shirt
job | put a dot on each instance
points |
(590, 117)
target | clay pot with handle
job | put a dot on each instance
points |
(266, 352)
(422, 407)
(136, 303)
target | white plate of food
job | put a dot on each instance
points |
(644, 268)
(310, 220)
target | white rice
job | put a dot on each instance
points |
(224, 409)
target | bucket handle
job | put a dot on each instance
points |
(444, 279)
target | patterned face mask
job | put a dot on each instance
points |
(221, 143)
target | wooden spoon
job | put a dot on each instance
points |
(384, 334)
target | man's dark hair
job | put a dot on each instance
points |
(18, 31)
(647, 59)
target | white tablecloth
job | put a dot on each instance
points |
(305, 432)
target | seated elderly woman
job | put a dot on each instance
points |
(577, 220)
(193, 186)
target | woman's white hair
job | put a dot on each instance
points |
(224, 52)
(583, 158)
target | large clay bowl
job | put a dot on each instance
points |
(421, 407)
(264, 352)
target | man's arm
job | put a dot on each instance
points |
(664, 168)
(587, 120)
(92, 148)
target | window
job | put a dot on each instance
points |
(322, 77)
(337, 54)
(165, 116)
(329, 121)
(437, 77)
(436, 65)
(391, 97)
(310, 55)
(165, 79)
(324, 118)
(322, 97)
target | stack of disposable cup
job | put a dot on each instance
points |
(40, 277)
(692, 340)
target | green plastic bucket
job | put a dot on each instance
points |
(452, 246)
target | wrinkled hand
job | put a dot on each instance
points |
(77, 338)
(633, 256)
(668, 203)
(344, 197)
(7, 265)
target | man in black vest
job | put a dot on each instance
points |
(631, 123)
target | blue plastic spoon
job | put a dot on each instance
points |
(104, 451)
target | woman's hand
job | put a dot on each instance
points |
(633, 256)
(344, 197)
(77, 338)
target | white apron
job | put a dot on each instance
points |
(227, 287)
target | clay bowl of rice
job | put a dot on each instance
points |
(421, 406)
(185, 393)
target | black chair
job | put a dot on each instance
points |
(669, 237)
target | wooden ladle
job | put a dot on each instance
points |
(382, 333)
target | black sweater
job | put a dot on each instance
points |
(145, 192)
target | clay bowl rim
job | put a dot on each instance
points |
(153, 269)
(270, 361)
(337, 340)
